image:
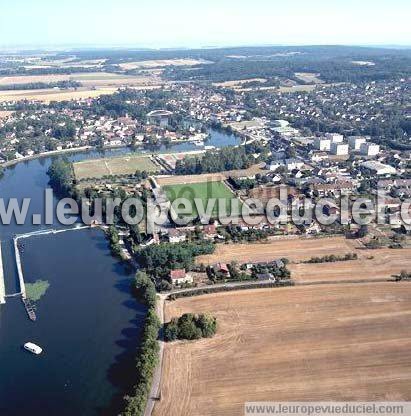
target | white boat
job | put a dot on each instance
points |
(33, 348)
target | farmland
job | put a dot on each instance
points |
(91, 78)
(378, 264)
(156, 63)
(124, 165)
(295, 249)
(93, 84)
(203, 191)
(47, 95)
(371, 264)
(324, 343)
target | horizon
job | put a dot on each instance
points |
(182, 25)
(19, 48)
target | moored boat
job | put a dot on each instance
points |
(33, 348)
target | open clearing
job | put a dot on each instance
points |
(48, 95)
(239, 82)
(314, 343)
(371, 264)
(203, 191)
(124, 165)
(162, 63)
(309, 77)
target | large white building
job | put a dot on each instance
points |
(355, 142)
(339, 149)
(334, 137)
(379, 168)
(281, 123)
(369, 149)
(322, 144)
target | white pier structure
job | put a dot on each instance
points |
(19, 267)
(2, 289)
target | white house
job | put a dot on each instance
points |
(292, 164)
(174, 236)
(179, 277)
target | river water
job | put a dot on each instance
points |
(88, 324)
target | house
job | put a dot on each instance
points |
(222, 268)
(210, 230)
(179, 277)
(332, 188)
(314, 228)
(175, 236)
(274, 165)
(292, 164)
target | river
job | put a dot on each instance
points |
(88, 323)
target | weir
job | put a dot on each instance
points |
(2, 289)
(22, 285)
(19, 268)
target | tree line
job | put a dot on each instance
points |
(148, 350)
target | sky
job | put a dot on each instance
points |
(184, 23)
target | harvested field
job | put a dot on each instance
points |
(309, 77)
(94, 84)
(48, 95)
(371, 264)
(297, 88)
(323, 343)
(238, 83)
(295, 249)
(95, 78)
(124, 165)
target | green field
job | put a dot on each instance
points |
(124, 165)
(203, 191)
